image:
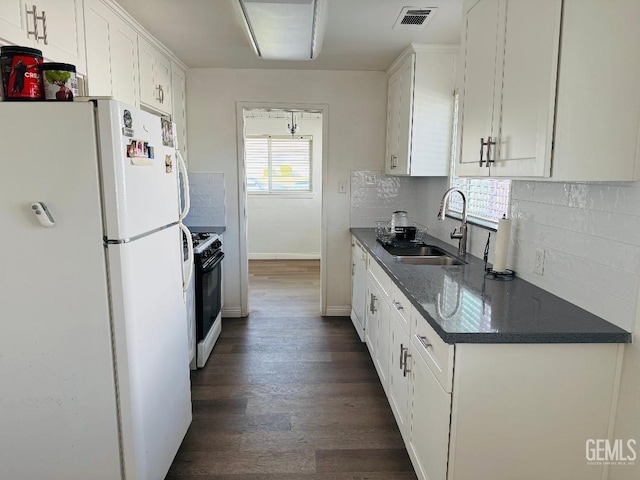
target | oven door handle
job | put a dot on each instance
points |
(214, 263)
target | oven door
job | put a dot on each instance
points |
(208, 294)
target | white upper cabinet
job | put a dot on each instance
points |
(63, 28)
(507, 98)
(54, 26)
(13, 23)
(550, 90)
(98, 24)
(179, 99)
(124, 60)
(598, 105)
(112, 54)
(155, 77)
(419, 111)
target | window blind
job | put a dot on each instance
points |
(278, 164)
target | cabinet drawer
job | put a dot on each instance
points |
(381, 277)
(434, 351)
(402, 306)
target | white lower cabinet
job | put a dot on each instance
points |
(399, 372)
(371, 331)
(489, 411)
(377, 331)
(430, 417)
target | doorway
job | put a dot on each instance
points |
(281, 172)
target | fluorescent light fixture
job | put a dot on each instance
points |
(285, 29)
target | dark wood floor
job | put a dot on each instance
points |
(289, 395)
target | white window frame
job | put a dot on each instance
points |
(477, 190)
(299, 193)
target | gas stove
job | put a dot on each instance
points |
(200, 241)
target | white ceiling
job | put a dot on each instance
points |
(359, 35)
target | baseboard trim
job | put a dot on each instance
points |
(338, 311)
(231, 312)
(284, 256)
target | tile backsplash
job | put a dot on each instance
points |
(589, 232)
(375, 196)
(207, 200)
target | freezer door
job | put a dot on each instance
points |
(151, 350)
(58, 413)
(139, 172)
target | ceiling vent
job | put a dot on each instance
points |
(414, 18)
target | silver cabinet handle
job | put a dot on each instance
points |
(34, 13)
(482, 145)
(162, 95)
(423, 341)
(372, 304)
(487, 144)
(353, 268)
(403, 360)
(406, 369)
(394, 161)
(398, 305)
(44, 37)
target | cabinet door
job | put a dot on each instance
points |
(430, 419)
(162, 76)
(398, 390)
(393, 123)
(480, 27)
(64, 31)
(405, 118)
(14, 23)
(382, 353)
(179, 108)
(358, 287)
(525, 96)
(124, 62)
(98, 20)
(371, 326)
(148, 86)
(598, 105)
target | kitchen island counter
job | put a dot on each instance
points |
(463, 306)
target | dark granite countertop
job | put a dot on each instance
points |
(465, 307)
(210, 229)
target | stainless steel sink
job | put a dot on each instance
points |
(419, 249)
(424, 260)
(422, 254)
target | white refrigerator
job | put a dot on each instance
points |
(94, 368)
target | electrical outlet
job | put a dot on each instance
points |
(539, 266)
(370, 179)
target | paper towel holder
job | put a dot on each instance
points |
(490, 273)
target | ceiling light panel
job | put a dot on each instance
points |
(284, 29)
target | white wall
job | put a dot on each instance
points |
(287, 225)
(356, 139)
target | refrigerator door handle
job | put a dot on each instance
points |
(185, 181)
(187, 281)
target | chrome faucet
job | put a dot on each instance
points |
(460, 234)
